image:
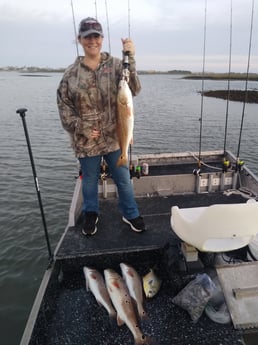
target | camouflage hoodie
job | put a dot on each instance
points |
(87, 100)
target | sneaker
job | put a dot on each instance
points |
(136, 224)
(89, 226)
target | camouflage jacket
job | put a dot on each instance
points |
(87, 100)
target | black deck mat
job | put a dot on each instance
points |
(80, 320)
(114, 235)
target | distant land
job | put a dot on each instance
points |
(33, 69)
(223, 76)
(248, 96)
(184, 73)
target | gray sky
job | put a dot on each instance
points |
(168, 34)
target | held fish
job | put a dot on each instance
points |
(96, 284)
(122, 301)
(125, 120)
(151, 284)
(134, 284)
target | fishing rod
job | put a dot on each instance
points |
(126, 69)
(22, 113)
(74, 28)
(226, 163)
(197, 171)
(229, 75)
(239, 163)
(126, 54)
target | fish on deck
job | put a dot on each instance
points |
(125, 120)
(96, 284)
(134, 284)
(151, 284)
(122, 301)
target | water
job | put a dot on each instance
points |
(167, 113)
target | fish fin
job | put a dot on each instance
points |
(122, 160)
(129, 110)
(120, 322)
(100, 304)
(86, 280)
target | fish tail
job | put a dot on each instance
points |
(122, 160)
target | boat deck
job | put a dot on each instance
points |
(114, 235)
(76, 317)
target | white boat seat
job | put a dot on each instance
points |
(216, 228)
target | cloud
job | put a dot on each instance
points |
(167, 33)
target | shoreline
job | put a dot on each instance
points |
(249, 96)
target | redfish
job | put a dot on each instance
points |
(96, 284)
(125, 120)
(134, 284)
(122, 301)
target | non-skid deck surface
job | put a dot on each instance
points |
(79, 320)
(114, 235)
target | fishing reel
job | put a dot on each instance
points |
(126, 65)
(135, 171)
(197, 172)
(239, 165)
(104, 171)
(226, 164)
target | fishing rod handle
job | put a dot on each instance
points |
(21, 111)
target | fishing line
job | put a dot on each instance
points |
(107, 19)
(129, 19)
(203, 71)
(129, 36)
(109, 48)
(96, 9)
(246, 82)
(75, 31)
(229, 76)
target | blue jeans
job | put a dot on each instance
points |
(91, 170)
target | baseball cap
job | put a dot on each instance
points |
(90, 26)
